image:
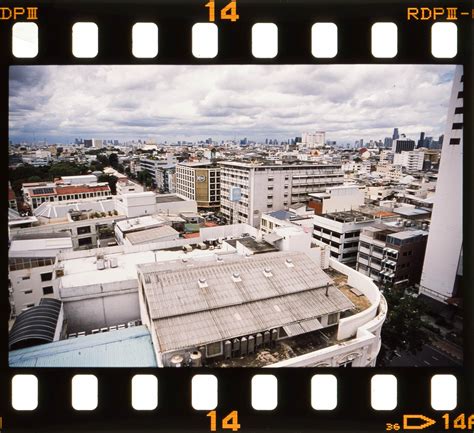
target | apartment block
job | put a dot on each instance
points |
(392, 253)
(250, 189)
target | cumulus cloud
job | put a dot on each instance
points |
(169, 103)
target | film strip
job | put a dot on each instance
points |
(184, 32)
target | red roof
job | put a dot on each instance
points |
(80, 189)
(191, 235)
(210, 224)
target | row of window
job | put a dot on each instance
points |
(18, 263)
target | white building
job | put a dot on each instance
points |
(248, 190)
(336, 199)
(126, 186)
(442, 267)
(340, 231)
(31, 260)
(410, 160)
(313, 140)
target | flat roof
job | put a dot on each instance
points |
(406, 234)
(129, 347)
(168, 198)
(151, 235)
(194, 303)
(23, 247)
(82, 271)
(256, 246)
(140, 223)
(409, 211)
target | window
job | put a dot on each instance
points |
(459, 110)
(332, 318)
(213, 349)
(25, 278)
(28, 292)
(84, 241)
(457, 125)
(460, 95)
(83, 230)
(29, 305)
(455, 141)
(48, 276)
(48, 290)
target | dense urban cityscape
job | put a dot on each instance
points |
(232, 252)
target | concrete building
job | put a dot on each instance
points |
(410, 160)
(402, 144)
(126, 227)
(161, 170)
(337, 199)
(199, 181)
(313, 140)
(34, 194)
(174, 204)
(392, 253)
(126, 186)
(340, 231)
(240, 305)
(442, 270)
(250, 189)
(31, 260)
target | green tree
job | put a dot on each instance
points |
(403, 329)
(145, 178)
(112, 181)
(113, 160)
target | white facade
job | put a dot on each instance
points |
(136, 204)
(312, 140)
(128, 187)
(342, 236)
(443, 256)
(410, 160)
(31, 263)
(340, 198)
(266, 188)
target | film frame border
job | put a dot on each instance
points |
(294, 21)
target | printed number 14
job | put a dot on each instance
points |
(228, 12)
(230, 422)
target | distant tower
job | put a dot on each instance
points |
(442, 268)
(421, 141)
(395, 134)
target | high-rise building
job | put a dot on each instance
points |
(402, 144)
(421, 141)
(395, 135)
(387, 143)
(312, 140)
(248, 190)
(442, 269)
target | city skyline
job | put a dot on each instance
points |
(191, 103)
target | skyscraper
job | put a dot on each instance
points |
(395, 134)
(421, 141)
(442, 269)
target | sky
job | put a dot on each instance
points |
(170, 103)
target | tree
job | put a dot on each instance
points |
(102, 159)
(403, 329)
(145, 178)
(112, 181)
(113, 160)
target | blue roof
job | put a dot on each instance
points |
(282, 215)
(129, 347)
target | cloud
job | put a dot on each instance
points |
(170, 103)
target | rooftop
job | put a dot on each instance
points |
(129, 347)
(151, 235)
(168, 198)
(195, 303)
(411, 211)
(348, 216)
(140, 223)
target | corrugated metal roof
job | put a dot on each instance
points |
(130, 347)
(173, 289)
(188, 313)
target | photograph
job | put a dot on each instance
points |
(235, 215)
